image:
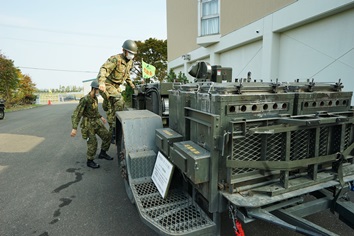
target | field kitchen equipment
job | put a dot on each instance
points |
(153, 97)
(252, 148)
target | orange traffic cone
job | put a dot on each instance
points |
(49, 102)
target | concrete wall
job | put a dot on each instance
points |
(179, 69)
(322, 50)
(306, 39)
(244, 59)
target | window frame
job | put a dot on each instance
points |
(202, 18)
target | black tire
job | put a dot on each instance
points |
(2, 114)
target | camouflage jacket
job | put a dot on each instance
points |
(116, 70)
(88, 107)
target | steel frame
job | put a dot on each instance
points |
(292, 217)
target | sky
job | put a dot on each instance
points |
(75, 37)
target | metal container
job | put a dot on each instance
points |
(165, 138)
(179, 98)
(192, 159)
(312, 102)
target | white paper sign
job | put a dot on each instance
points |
(162, 174)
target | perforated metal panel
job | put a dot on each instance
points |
(270, 141)
(301, 144)
(323, 145)
(177, 214)
(275, 147)
(246, 148)
(348, 135)
(336, 140)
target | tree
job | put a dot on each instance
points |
(172, 77)
(8, 78)
(152, 51)
(182, 78)
(14, 86)
(26, 89)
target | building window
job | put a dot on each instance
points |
(209, 17)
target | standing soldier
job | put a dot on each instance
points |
(91, 125)
(114, 72)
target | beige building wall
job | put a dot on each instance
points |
(182, 20)
(182, 27)
(235, 14)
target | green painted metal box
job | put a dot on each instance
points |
(179, 98)
(165, 138)
(191, 159)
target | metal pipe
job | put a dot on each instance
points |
(248, 187)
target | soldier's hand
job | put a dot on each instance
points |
(102, 87)
(103, 120)
(73, 133)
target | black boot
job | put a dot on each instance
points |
(92, 164)
(104, 155)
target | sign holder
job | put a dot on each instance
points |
(162, 174)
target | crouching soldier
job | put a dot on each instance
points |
(91, 125)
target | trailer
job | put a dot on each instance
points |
(252, 148)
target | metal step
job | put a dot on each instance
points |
(177, 214)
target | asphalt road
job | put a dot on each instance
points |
(46, 188)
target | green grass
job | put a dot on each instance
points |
(22, 107)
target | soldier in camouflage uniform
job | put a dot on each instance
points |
(91, 125)
(114, 72)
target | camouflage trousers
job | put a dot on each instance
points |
(112, 102)
(96, 127)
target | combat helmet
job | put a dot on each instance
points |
(130, 46)
(94, 84)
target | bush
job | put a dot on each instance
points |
(29, 99)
